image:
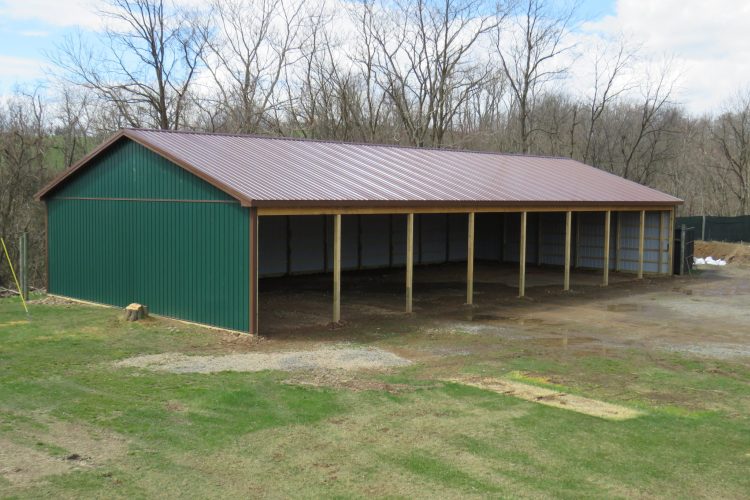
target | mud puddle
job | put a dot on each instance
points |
(626, 307)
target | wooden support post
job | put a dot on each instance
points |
(337, 268)
(253, 306)
(618, 236)
(522, 257)
(568, 238)
(641, 243)
(409, 260)
(670, 241)
(470, 262)
(607, 223)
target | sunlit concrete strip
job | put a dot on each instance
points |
(551, 397)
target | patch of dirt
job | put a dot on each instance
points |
(340, 380)
(93, 445)
(232, 339)
(336, 357)
(84, 446)
(553, 398)
(174, 406)
(731, 252)
(22, 465)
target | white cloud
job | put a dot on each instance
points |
(708, 42)
(52, 12)
(16, 70)
(64, 13)
(34, 34)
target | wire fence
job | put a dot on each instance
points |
(711, 228)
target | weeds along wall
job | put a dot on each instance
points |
(133, 227)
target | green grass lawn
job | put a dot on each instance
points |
(147, 434)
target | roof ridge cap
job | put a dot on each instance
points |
(346, 143)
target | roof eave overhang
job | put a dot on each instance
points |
(458, 203)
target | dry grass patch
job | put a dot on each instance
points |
(56, 447)
(340, 379)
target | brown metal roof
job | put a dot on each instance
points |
(269, 171)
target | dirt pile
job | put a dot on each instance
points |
(733, 253)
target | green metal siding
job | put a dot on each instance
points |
(128, 170)
(183, 259)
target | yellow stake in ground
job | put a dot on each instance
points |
(13, 272)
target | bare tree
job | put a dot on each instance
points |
(150, 59)
(310, 98)
(424, 60)
(374, 107)
(23, 149)
(608, 71)
(256, 41)
(528, 54)
(731, 133)
(640, 142)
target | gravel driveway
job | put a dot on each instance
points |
(337, 357)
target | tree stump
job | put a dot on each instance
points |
(134, 312)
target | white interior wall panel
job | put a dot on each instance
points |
(512, 231)
(651, 243)
(307, 243)
(372, 241)
(553, 238)
(432, 237)
(458, 237)
(272, 246)
(591, 240)
(488, 236)
(629, 242)
(375, 241)
(664, 242)
(398, 237)
(629, 234)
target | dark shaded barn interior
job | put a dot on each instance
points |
(290, 245)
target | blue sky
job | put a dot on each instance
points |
(706, 40)
(24, 34)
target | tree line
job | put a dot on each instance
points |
(470, 74)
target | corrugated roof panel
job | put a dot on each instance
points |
(269, 169)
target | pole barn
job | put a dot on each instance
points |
(187, 223)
